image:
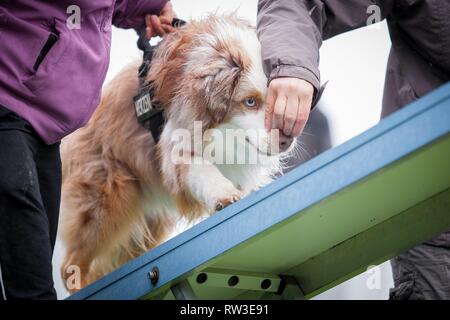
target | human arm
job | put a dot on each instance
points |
(291, 33)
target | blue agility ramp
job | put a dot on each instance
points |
(354, 206)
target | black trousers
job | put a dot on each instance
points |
(423, 272)
(30, 188)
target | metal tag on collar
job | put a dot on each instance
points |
(144, 107)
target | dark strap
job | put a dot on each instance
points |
(150, 115)
(144, 44)
(155, 125)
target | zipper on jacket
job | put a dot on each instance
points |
(52, 38)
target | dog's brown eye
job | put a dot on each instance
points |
(250, 102)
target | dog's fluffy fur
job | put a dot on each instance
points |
(122, 194)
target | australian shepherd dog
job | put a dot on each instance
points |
(124, 193)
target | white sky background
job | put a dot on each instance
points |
(354, 64)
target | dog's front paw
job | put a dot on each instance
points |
(216, 195)
(227, 195)
(225, 202)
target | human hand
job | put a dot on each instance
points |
(159, 25)
(288, 105)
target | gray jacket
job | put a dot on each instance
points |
(291, 33)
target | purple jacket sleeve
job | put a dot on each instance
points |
(130, 13)
(291, 32)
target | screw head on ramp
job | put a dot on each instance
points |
(154, 275)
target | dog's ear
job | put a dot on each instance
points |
(215, 78)
(203, 68)
(215, 85)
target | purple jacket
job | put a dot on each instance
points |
(51, 75)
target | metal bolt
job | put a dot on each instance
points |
(202, 277)
(154, 275)
(265, 284)
(234, 280)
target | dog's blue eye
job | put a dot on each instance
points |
(250, 102)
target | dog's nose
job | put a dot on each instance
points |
(285, 142)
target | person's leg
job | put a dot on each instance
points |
(48, 162)
(423, 272)
(25, 245)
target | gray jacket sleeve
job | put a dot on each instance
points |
(291, 31)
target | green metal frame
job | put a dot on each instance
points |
(342, 236)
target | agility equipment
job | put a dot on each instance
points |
(354, 206)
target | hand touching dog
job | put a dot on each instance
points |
(288, 105)
(160, 25)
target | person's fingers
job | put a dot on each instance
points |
(165, 20)
(168, 12)
(148, 27)
(148, 21)
(148, 33)
(291, 100)
(167, 28)
(270, 105)
(156, 24)
(302, 115)
(290, 114)
(278, 112)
